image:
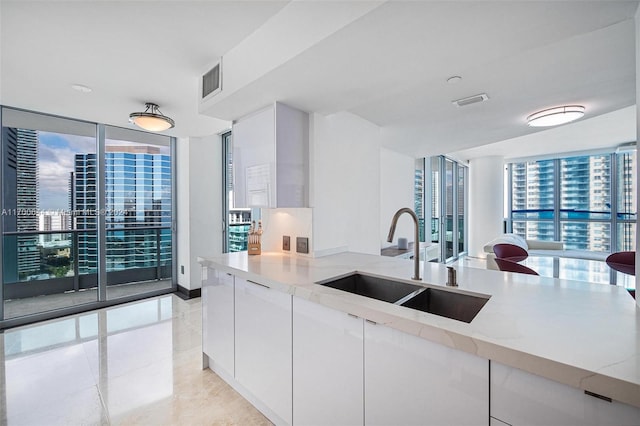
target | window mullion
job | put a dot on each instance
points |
(556, 200)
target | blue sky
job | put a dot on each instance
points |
(56, 158)
(56, 155)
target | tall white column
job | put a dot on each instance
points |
(486, 202)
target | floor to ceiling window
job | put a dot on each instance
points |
(446, 187)
(86, 215)
(237, 222)
(588, 202)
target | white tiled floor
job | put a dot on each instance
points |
(138, 363)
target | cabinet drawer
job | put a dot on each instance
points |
(521, 398)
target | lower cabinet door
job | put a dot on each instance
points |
(217, 318)
(327, 366)
(521, 398)
(264, 346)
(411, 381)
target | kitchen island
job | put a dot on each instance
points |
(540, 351)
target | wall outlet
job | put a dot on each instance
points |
(286, 243)
(182, 269)
(302, 244)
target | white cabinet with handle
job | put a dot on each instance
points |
(263, 346)
(521, 398)
(411, 381)
(327, 366)
(218, 318)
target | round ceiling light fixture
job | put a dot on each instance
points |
(556, 116)
(81, 88)
(151, 119)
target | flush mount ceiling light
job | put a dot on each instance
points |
(151, 119)
(81, 88)
(555, 116)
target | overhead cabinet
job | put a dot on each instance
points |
(271, 156)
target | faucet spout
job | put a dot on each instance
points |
(416, 239)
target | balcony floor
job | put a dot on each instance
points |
(31, 305)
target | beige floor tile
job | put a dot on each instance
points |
(135, 364)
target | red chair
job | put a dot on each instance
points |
(623, 261)
(510, 251)
(507, 265)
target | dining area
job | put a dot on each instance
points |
(617, 268)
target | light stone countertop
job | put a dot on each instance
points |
(580, 334)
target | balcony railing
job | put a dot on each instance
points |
(49, 262)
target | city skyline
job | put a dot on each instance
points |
(39, 169)
(577, 200)
(56, 159)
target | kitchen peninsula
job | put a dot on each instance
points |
(540, 351)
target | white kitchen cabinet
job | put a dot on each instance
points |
(263, 346)
(270, 154)
(411, 381)
(327, 366)
(521, 398)
(218, 318)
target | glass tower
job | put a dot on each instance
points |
(21, 203)
(573, 200)
(138, 196)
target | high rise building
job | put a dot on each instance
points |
(22, 255)
(584, 197)
(138, 195)
(53, 221)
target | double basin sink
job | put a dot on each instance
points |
(446, 303)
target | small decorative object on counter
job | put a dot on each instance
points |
(255, 236)
(403, 243)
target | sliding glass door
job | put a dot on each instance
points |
(40, 238)
(138, 212)
(448, 183)
(87, 214)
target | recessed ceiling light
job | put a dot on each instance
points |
(81, 88)
(555, 116)
(455, 79)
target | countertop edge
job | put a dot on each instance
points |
(593, 381)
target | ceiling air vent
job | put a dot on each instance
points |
(212, 81)
(471, 100)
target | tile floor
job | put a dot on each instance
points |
(133, 364)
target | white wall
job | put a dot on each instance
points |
(397, 174)
(294, 222)
(199, 204)
(182, 200)
(486, 202)
(344, 185)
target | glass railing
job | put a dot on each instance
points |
(60, 261)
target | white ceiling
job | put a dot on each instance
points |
(128, 52)
(388, 66)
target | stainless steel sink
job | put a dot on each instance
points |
(447, 303)
(457, 306)
(375, 287)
